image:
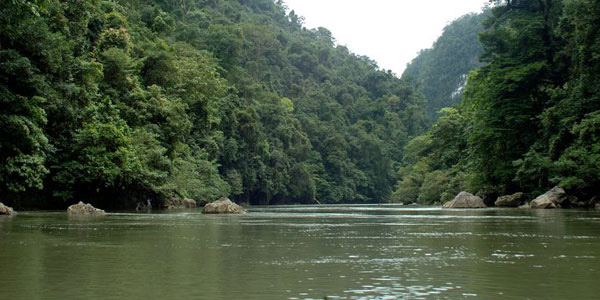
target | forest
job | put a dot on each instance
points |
(116, 102)
(529, 118)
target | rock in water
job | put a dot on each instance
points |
(525, 206)
(84, 209)
(465, 200)
(178, 203)
(223, 206)
(555, 198)
(514, 200)
(5, 210)
(543, 202)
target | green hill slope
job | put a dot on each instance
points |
(441, 71)
(116, 102)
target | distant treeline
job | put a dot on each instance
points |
(440, 72)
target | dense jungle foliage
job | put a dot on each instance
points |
(115, 102)
(440, 72)
(530, 116)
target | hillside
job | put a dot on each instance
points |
(116, 102)
(440, 72)
(530, 116)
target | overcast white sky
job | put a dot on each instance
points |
(390, 32)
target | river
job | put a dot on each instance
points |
(304, 252)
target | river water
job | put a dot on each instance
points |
(304, 252)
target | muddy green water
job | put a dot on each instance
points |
(340, 252)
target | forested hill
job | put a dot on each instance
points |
(440, 72)
(115, 102)
(530, 117)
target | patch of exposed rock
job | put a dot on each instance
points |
(6, 210)
(223, 206)
(514, 200)
(180, 203)
(83, 209)
(465, 200)
(525, 206)
(556, 198)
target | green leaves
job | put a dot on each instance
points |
(118, 102)
(103, 152)
(434, 162)
(441, 72)
(530, 117)
(23, 144)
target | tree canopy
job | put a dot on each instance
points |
(529, 116)
(117, 102)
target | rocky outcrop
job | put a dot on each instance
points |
(597, 206)
(514, 200)
(223, 206)
(465, 200)
(5, 210)
(83, 209)
(179, 203)
(556, 198)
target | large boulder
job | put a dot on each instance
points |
(465, 200)
(597, 206)
(543, 202)
(178, 203)
(556, 198)
(5, 210)
(514, 200)
(223, 206)
(81, 209)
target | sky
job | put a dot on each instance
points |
(391, 32)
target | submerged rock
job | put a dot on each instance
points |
(6, 210)
(223, 206)
(514, 200)
(178, 203)
(525, 206)
(84, 209)
(556, 198)
(465, 200)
